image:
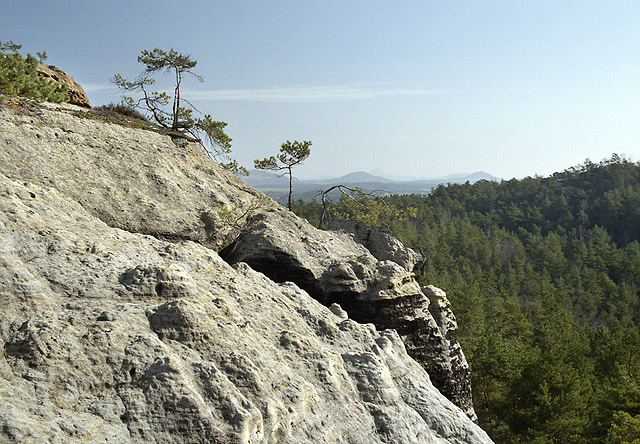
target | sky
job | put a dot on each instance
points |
(414, 89)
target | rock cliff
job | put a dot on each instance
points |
(372, 279)
(122, 322)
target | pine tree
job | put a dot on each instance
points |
(179, 117)
(291, 154)
(18, 76)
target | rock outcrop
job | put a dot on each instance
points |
(121, 322)
(382, 244)
(133, 179)
(332, 269)
(77, 96)
(456, 383)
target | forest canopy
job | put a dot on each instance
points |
(544, 277)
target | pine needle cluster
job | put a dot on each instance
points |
(19, 78)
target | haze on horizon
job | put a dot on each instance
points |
(421, 89)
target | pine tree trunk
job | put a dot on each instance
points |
(290, 187)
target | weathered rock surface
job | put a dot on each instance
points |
(121, 323)
(327, 264)
(130, 178)
(77, 96)
(457, 384)
(333, 269)
(382, 244)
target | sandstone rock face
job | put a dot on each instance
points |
(457, 385)
(118, 328)
(327, 264)
(331, 268)
(382, 244)
(132, 179)
(77, 96)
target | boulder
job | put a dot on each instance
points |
(130, 178)
(382, 244)
(329, 265)
(77, 96)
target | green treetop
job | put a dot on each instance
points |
(291, 154)
(18, 76)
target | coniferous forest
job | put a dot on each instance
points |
(544, 277)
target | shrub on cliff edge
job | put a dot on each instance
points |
(119, 110)
(18, 76)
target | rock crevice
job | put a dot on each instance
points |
(334, 269)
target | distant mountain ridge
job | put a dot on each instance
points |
(278, 186)
(355, 177)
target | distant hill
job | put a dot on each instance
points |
(479, 175)
(357, 177)
(278, 186)
(473, 177)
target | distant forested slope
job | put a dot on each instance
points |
(544, 277)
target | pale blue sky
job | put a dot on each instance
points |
(413, 88)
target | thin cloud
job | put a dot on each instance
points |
(307, 94)
(99, 87)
